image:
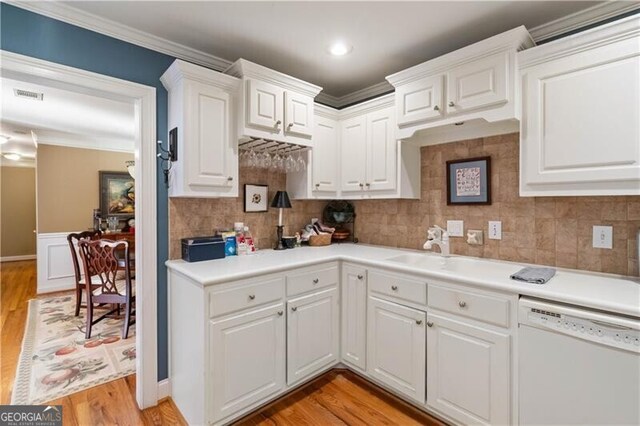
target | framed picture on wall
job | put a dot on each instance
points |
(255, 198)
(469, 181)
(117, 194)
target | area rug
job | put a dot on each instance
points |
(56, 360)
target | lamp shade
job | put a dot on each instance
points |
(281, 200)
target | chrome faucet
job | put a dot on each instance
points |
(437, 236)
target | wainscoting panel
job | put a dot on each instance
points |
(55, 267)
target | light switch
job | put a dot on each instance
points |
(603, 237)
(455, 228)
(495, 230)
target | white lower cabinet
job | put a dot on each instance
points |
(247, 359)
(468, 371)
(354, 316)
(313, 333)
(396, 343)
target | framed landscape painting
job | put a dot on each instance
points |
(117, 194)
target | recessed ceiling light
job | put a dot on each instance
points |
(4, 139)
(340, 49)
(12, 156)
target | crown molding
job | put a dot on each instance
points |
(180, 69)
(71, 15)
(365, 107)
(370, 92)
(592, 15)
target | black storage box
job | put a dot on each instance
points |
(197, 249)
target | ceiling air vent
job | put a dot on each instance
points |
(27, 94)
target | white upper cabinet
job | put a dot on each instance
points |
(354, 153)
(276, 106)
(298, 117)
(420, 100)
(381, 150)
(265, 105)
(202, 107)
(324, 166)
(477, 82)
(580, 128)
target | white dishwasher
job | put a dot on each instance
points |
(577, 366)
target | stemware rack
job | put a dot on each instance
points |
(269, 145)
(274, 155)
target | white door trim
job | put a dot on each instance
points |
(144, 99)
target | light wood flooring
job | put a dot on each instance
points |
(336, 398)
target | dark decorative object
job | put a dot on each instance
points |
(255, 198)
(167, 157)
(280, 201)
(469, 181)
(342, 216)
(117, 194)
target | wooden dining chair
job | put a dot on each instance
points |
(100, 260)
(73, 239)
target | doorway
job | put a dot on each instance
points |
(143, 100)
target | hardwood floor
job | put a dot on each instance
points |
(336, 398)
(339, 397)
(108, 404)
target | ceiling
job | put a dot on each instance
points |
(63, 117)
(293, 37)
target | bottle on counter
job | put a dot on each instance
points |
(248, 238)
(241, 244)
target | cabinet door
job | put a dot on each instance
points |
(381, 150)
(396, 342)
(298, 114)
(247, 359)
(420, 100)
(478, 84)
(581, 123)
(353, 141)
(468, 371)
(312, 334)
(210, 158)
(265, 107)
(325, 155)
(354, 316)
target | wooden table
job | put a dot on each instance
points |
(131, 239)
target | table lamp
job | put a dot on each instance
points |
(280, 201)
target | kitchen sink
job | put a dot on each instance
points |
(428, 261)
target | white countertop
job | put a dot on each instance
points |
(599, 291)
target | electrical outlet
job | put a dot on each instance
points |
(603, 237)
(455, 228)
(495, 230)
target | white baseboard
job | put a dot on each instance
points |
(164, 389)
(17, 258)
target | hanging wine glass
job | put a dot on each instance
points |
(289, 163)
(275, 161)
(301, 165)
(265, 160)
(253, 158)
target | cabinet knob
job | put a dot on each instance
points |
(462, 304)
(317, 185)
(418, 322)
(278, 123)
(360, 277)
(361, 184)
(429, 324)
(280, 313)
(316, 280)
(294, 309)
(436, 108)
(368, 184)
(451, 104)
(290, 125)
(230, 178)
(394, 287)
(252, 296)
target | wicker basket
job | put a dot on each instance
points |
(320, 240)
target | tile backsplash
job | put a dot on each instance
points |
(555, 231)
(190, 217)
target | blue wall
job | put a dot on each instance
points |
(40, 37)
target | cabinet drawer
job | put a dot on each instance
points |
(487, 308)
(245, 296)
(398, 286)
(311, 279)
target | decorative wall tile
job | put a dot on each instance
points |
(554, 231)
